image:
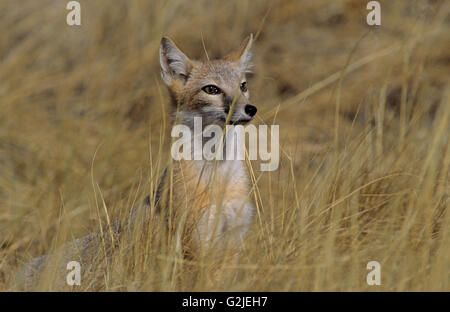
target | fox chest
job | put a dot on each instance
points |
(225, 186)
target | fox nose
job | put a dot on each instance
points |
(250, 110)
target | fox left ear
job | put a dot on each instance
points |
(243, 54)
(175, 65)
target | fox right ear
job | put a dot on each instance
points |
(243, 54)
(175, 65)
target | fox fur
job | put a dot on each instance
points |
(212, 197)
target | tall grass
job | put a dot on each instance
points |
(364, 137)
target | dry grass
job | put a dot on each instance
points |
(364, 125)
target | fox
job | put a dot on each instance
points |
(210, 198)
(216, 91)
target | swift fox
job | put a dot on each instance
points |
(214, 195)
(210, 199)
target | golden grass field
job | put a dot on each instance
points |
(364, 139)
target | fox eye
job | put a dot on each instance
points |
(243, 86)
(211, 89)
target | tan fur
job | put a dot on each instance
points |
(215, 196)
(212, 197)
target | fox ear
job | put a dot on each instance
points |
(175, 65)
(243, 55)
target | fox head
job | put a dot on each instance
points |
(212, 89)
